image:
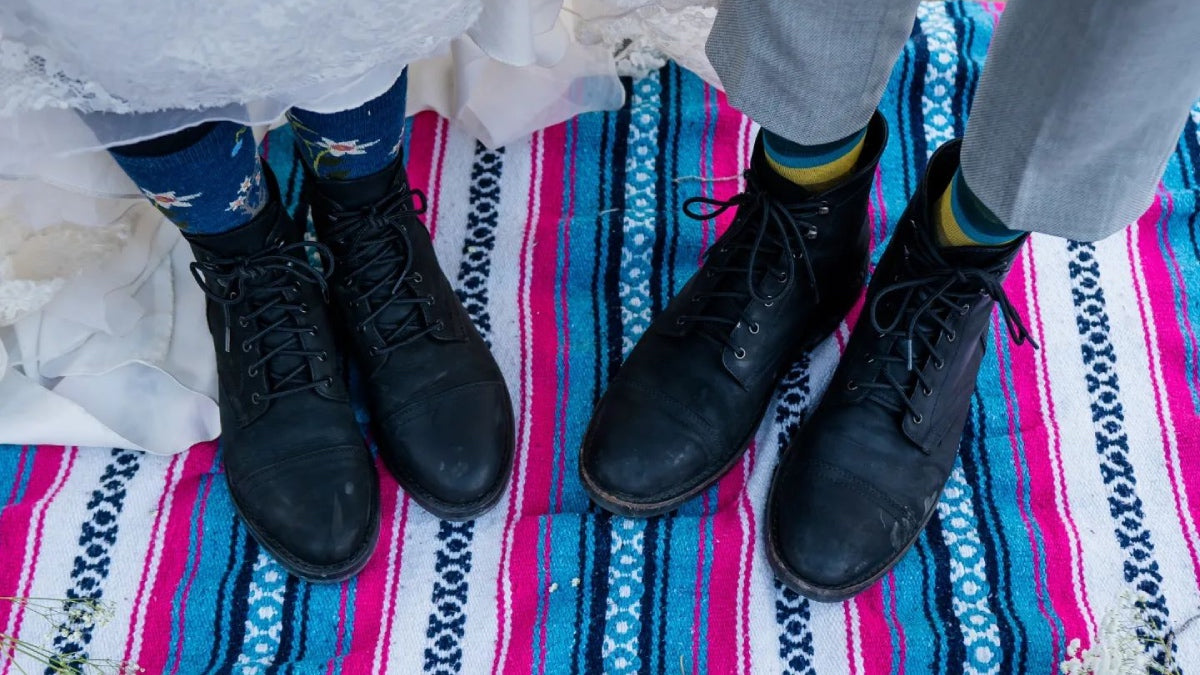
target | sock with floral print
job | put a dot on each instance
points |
(206, 179)
(353, 143)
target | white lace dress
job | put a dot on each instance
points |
(99, 320)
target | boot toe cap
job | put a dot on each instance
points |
(641, 455)
(453, 451)
(831, 535)
(317, 514)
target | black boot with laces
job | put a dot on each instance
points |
(856, 487)
(688, 399)
(300, 476)
(439, 407)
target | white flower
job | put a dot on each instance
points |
(237, 204)
(339, 148)
(246, 185)
(169, 200)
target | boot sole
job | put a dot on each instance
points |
(318, 574)
(622, 507)
(817, 592)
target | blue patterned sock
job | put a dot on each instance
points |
(353, 143)
(205, 179)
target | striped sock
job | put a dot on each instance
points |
(813, 167)
(963, 220)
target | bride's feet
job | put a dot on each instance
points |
(440, 409)
(300, 476)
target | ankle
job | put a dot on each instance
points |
(962, 219)
(815, 168)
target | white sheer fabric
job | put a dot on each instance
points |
(102, 335)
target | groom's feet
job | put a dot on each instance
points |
(685, 404)
(300, 477)
(856, 487)
(440, 409)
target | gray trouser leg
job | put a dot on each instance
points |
(812, 71)
(1078, 109)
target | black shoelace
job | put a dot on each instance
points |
(922, 315)
(264, 286)
(379, 253)
(772, 229)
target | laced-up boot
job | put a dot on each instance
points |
(857, 485)
(686, 402)
(300, 476)
(439, 407)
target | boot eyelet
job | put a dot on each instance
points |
(252, 372)
(679, 321)
(323, 356)
(928, 391)
(431, 301)
(739, 353)
(243, 322)
(328, 382)
(917, 419)
(255, 398)
(769, 303)
(782, 277)
(753, 328)
(304, 308)
(373, 351)
(823, 211)
(870, 359)
(417, 278)
(246, 346)
(851, 385)
(439, 325)
(950, 337)
(938, 365)
(965, 308)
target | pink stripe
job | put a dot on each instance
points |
(144, 577)
(1006, 388)
(722, 583)
(32, 562)
(1172, 398)
(426, 156)
(14, 525)
(1065, 582)
(158, 590)
(873, 632)
(536, 414)
(187, 588)
(851, 661)
(699, 587)
(373, 599)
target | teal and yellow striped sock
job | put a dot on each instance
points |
(813, 167)
(963, 220)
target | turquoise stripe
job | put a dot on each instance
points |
(1178, 233)
(10, 461)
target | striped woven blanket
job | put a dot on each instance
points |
(1074, 506)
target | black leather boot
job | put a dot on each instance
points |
(687, 401)
(301, 478)
(856, 487)
(439, 406)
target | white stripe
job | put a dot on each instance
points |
(390, 585)
(1138, 371)
(36, 517)
(1051, 425)
(1085, 489)
(452, 197)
